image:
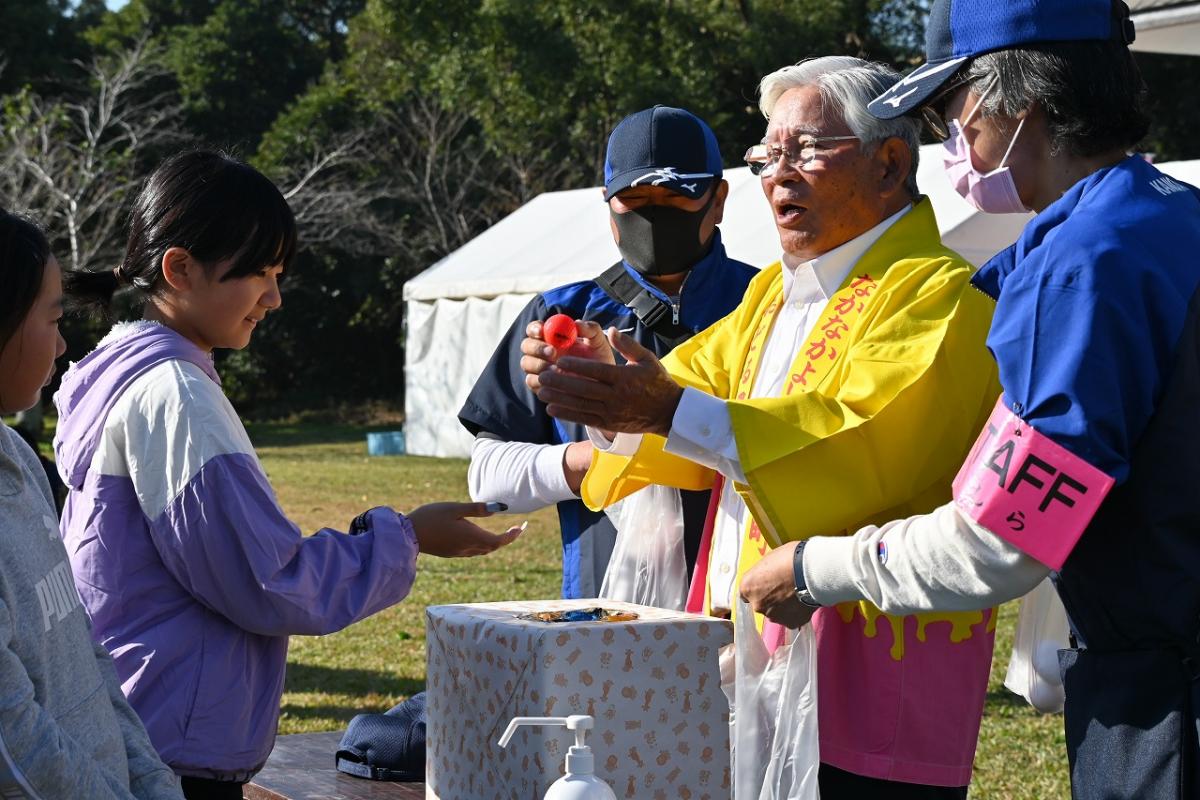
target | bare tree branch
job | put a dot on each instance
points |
(412, 182)
(72, 162)
(332, 204)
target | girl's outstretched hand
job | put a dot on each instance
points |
(443, 529)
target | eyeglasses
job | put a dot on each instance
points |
(933, 113)
(935, 124)
(763, 159)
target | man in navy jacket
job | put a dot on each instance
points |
(665, 194)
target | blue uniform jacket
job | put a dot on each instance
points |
(501, 405)
(1097, 339)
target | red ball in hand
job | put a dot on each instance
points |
(560, 332)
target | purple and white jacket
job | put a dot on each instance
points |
(190, 572)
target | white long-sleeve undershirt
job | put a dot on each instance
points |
(524, 475)
(940, 561)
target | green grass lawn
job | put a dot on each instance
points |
(324, 477)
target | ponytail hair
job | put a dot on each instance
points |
(212, 205)
(90, 291)
(24, 254)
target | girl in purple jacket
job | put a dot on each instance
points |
(193, 576)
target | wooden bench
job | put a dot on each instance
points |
(301, 768)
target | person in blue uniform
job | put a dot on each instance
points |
(1087, 470)
(664, 188)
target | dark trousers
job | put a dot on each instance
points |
(837, 784)
(206, 789)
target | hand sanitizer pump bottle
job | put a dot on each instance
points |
(579, 783)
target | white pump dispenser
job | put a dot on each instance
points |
(579, 783)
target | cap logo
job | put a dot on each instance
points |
(896, 100)
(919, 74)
(669, 174)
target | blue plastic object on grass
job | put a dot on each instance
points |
(386, 443)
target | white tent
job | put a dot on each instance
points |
(1166, 26)
(457, 310)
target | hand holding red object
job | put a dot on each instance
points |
(637, 397)
(539, 355)
(560, 332)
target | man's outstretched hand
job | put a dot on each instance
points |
(587, 387)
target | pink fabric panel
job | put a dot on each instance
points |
(1027, 489)
(914, 719)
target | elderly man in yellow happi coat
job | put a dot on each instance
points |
(845, 389)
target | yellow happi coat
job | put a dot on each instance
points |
(884, 401)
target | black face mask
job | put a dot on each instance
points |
(662, 240)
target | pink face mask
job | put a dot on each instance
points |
(993, 193)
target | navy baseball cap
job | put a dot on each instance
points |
(959, 30)
(386, 747)
(662, 146)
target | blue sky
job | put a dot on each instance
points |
(115, 4)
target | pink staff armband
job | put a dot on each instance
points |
(1027, 489)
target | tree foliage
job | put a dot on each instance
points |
(39, 40)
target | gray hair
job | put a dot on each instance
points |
(848, 84)
(1091, 92)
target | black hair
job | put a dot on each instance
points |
(209, 203)
(1091, 91)
(24, 254)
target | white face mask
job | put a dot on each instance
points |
(993, 193)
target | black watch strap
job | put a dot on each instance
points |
(802, 592)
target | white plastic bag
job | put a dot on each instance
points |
(648, 566)
(1041, 632)
(773, 714)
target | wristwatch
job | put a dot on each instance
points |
(802, 593)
